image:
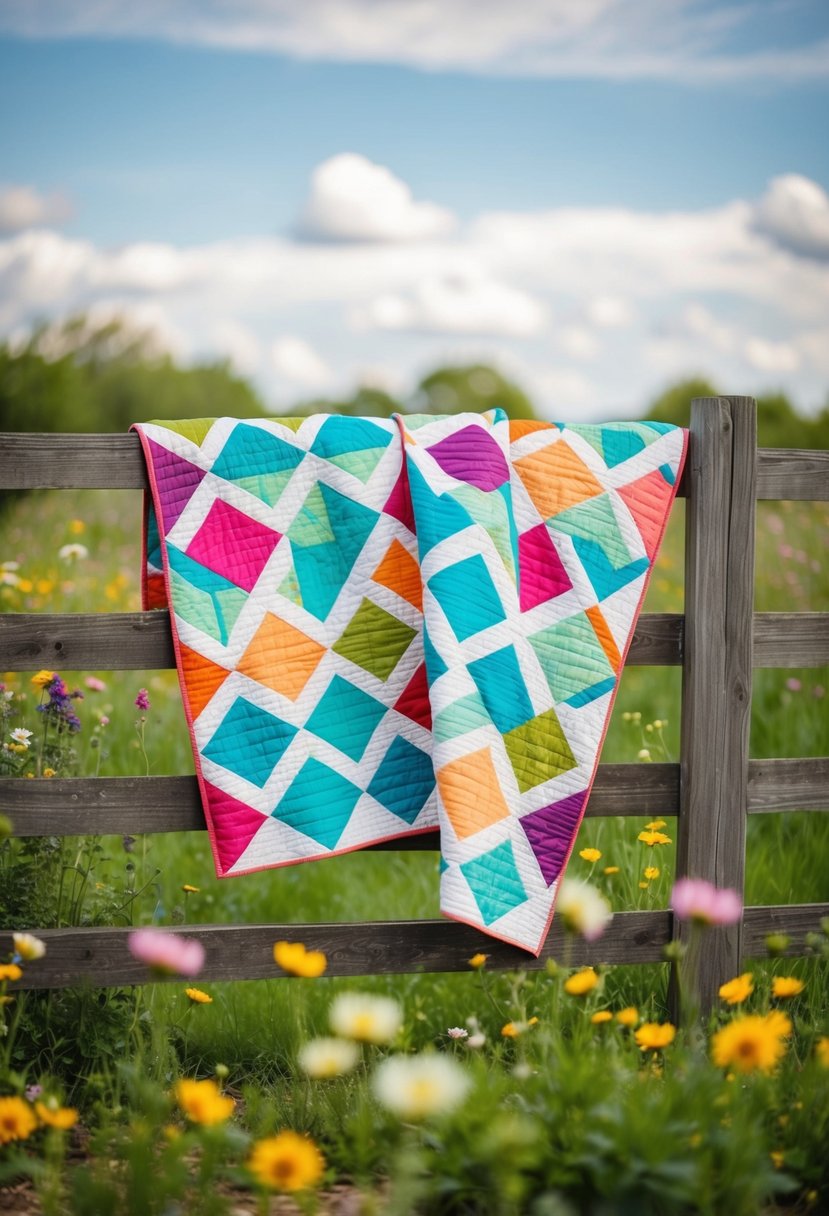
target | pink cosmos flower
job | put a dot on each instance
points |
(700, 901)
(94, 684)
(167, 952)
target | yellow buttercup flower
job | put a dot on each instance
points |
(189, 889)
(477, 961)
(198, 997)
(600, 1016)
(737, 990)
(581, 982)
(42, 678)
(10, 971)
(591, 855)
(784, 986)
(643, 886)
(286, 1162)
(628, 1016)
(52, 1114)
(203, 1102)
(780, 1023)
(510, 1031)
(296, 960)
(610, 870)
(656, 824)
(822, 1051)
(651, 1036)
(652, 872)
(749, 1044)
(16, 1120)
(652, 837)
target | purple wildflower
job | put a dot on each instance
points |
(59, 706)
(143, 699)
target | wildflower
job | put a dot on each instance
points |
(457, 1032)
(477, 961)
(512, 1030)
(203, 1102)
(591, 855)
(415, 1087)
(198, 997)
(143, 699)
(651, 872)
(581, 982)
(72, 552)
(167, 952)
(750, 1043)
(600, 1016)
(16, 1120)
(10, 971)
(77, 527)
(700, 901)
(366, 1018)
(628, 1016)
(737, 990)
(28, 947)
(49, 772)
(296, 960)
(189, 889)
(21, 735)
(822, 1051)
(94, 684)
(59, 706)
(286, 1162)
(656, 825)
(652, 837)
(478, 1039)
(32, 1092)
(776, 1158)
(42, 678)
(643, 754)
(643, 886)
(652, 1035)
(52, 1114)
(583, 909)
(784, 986)
(780, 1023)
(610, 870)
(324, 1058)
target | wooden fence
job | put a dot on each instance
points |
(717, 642)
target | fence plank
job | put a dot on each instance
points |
(791, 473)
(791, 639)
(788, 785)
(796, 920)
(100, 957)
(100, 806)
(719, 589)
(61, 462)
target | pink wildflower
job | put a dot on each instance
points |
(700, 901)
(167, 952)
(143, 699)
(94, 684)
(793, 684)
(457, 1032)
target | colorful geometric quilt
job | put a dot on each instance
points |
(387, 626)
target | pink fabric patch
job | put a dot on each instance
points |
(234, 825)
(232, 544)
(543, 576)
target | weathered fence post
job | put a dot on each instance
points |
(716, 689)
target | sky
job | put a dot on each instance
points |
(597, 196)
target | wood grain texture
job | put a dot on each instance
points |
(788, 785)
(100, 806)
(796, 920)
(790, 473)
(791, 639)
(100, 957)
(59, 462)
(719, 591)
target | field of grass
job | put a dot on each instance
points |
(256, 1029)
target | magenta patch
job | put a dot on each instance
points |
(542, 574)
(473, 456)
(550, 831)
(234, 825)
(232, 544)
(177, 480)
(399, 504)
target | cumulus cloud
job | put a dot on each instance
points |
(686, 41)
(296, 361)
(353, 199)
(457, 304)
(22, 207)
(794, 213)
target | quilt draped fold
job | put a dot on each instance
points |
(384, 626)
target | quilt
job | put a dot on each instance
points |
(387, 626)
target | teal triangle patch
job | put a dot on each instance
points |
(311, 525)
(605, 578)
(495, 882)
(360, 464)
(594, 520)
(436, 516)
(461, 717)
(492, 509)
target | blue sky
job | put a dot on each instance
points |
(598, 197)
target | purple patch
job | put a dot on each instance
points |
(541, 574)
(177, 480)
(233, 545)
(473, 456)
(550, 832)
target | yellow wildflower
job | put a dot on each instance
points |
(784, 986)
(610, 870)
(203, 1102)
(591, 855)
(652, 837)
(198, 997)
(296, 960)
(28, 946)
(477, 961)
(780, 1023)
(581, 982)
(52, 1114)
(776, 1155)
(628, 1016)
(511, 1030)
(601, 1015)
(652, 1035)
(49, 772)
(43, 678)
(656, 825)
(77, 527)
(643, 886)
(16, 1120)
(737, 990)
(286, 1162)
(822, 1051)
(10, 971)
(750, 1044)
(651, 872)
(189, 889)
(26, 585)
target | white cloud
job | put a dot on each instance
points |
(610, 312)
(457, 304)
(236, 342)
(297, 361)
(685, 41)
(22, 207)
(773, 357)
(578, 342)
(794, 212)
(352, 199)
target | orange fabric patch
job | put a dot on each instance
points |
(401, 574)
(556, 479)
(471, 793)
(281, 657)
(202, 677)
(602, 632)
(520, 427)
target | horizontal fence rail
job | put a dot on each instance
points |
(100, 806)
(99, 957)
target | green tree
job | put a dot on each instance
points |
(471, 388)
(779, 425)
